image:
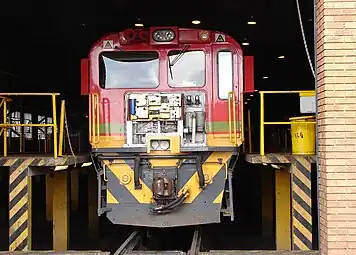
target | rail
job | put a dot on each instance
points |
(234, 135)
(94, 118)
(262, 114)
(57, 150)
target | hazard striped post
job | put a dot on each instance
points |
(302, 204)
(20, 187)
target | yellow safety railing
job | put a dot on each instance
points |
(233, 133)
(5, 125)
(262, 114)
(94, 119)
(3, 103)
(61, 129)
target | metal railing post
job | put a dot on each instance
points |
(262, 124)
(54, 131)
(4, 126)
(61, 129)
(262, 114)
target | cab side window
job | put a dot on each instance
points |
(225, 73)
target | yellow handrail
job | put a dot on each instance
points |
(6, 125)
(97, 140)
(233, 134)
(262, 113)
(242, 118)
(90, 120)
(61, 129)
(232, 104)
(94, 119)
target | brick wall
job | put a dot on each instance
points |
(336, 62)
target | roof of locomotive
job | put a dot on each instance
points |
(114, 36)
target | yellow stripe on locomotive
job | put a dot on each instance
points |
(165, 148)
(169, 192)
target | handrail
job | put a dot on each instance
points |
(242, 118)
(94, 119)
(3, 102)
(6, 125)
(262, 113)
(61, 129)
(232, 103)
(234, 135)
(97, 119)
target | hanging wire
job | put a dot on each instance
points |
(304, 40)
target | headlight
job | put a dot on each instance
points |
(154, 145)
(164, 145)
(166, 35)
(160, 145)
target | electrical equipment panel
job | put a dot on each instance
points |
(166, 114)
(155, 106)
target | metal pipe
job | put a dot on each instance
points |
(262, 124)
(137, 172)
(200, 171)
(61, 129)
(194, 127)
(54, 131)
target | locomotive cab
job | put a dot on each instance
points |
(165, 119)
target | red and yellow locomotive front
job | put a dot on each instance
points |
(165, 118)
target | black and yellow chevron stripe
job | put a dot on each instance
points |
(123, 173)
(43, 161)
(276, 158)
(129, 206)
(19, 205)
(19, 194)
(302, 204)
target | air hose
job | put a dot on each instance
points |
(171, 206)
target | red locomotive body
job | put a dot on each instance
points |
(165, 122)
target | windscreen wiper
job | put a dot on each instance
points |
(176, 59)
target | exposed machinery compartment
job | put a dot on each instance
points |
(165, 114)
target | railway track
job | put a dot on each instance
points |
(133, 245)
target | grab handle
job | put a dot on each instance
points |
(232, 120)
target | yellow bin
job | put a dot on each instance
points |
(303, 135)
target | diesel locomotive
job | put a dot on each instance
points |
(166, 123)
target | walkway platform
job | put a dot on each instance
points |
(42, 160)
(278, 158)
(293, 198)
(21, 168)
